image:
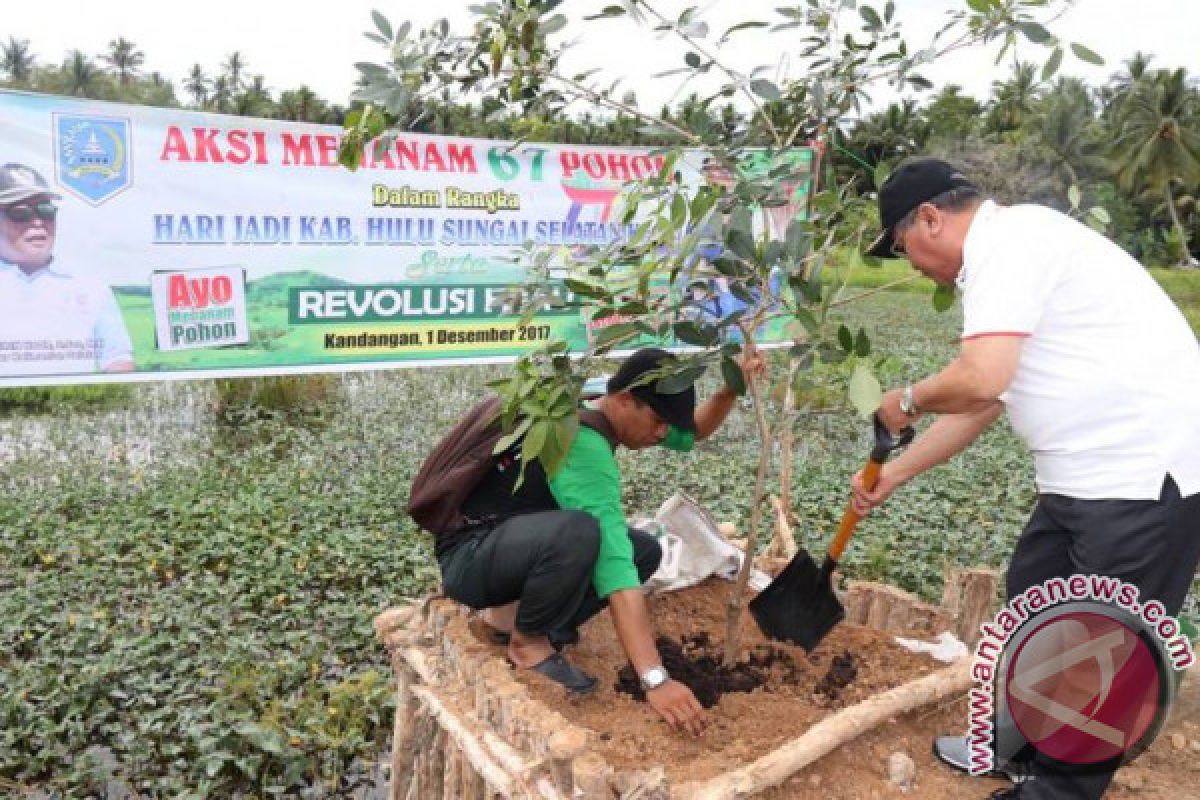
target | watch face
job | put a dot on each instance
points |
(654, 677)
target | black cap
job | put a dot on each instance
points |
(678, 408)
(912, 183)
(19, 182)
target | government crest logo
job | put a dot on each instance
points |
(93, 156)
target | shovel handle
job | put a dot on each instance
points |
(851, 517)
(885, 444)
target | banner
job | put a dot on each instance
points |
(148, 243)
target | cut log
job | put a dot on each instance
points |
(886, 608)
(828, 734)
(970, 596)
(476, 756)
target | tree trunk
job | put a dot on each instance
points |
(1186, 259)
(737, 597)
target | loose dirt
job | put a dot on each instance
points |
(774, 694)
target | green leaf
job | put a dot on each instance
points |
(943, 298)
(1035, 32)
(1052, 64)
(508, 440)
(865, 391)
(674, 384)
(531, 448)
(1100, 214)
(692, 60)
(616, 333)
(607, 11)
(882, 170)
(585, 289)
(871, 17)
(1084, 53)
(765, 89)
(862, 344)
(741, 244)
(845, 339)
(741, 26)
(553, 25)
(1074, 196)
(679, 211)
(381, 22)
(796, 240)
(734, 378)
(690, 332)
(979, 6)
(805, 318)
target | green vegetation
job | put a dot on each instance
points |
(1184, 289)
(196, 618)
(57, 399)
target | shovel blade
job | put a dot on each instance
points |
(799, 606)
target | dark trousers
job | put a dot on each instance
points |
(1151, 544)
(543, 560)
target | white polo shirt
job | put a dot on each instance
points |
(1107, 390)
(56, 323)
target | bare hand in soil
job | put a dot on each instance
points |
(864, 500)
(678, 706)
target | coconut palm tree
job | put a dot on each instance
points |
(79, 75)
(1013, 99)
(221, 99)
(302, 105)
(16, 61)
(254, 100)
(951, 115)
(1064, 127)
(197, 84)
(158, 91)
(1122, 84)
(234, 67)
(1158, 144)
(897, 131)
(125, 59)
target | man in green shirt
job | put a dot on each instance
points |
(544, 559)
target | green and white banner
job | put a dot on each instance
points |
(144, 243)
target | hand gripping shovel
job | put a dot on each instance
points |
(800, 606)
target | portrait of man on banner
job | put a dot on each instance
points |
(55, 319)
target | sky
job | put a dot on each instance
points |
(293, 43)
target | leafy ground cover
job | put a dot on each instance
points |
(185, 606)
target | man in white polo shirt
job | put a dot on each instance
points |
(52, 322)
(1099, 373)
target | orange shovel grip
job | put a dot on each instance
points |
(851, 517)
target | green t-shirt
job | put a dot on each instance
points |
(590, 480)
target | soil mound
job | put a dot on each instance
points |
(773, 694)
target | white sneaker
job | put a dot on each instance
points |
(954, 751)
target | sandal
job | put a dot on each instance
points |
(563, 672)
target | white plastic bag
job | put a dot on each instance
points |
(693, 548)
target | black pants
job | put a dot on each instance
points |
(1151, 544)
(545, 561)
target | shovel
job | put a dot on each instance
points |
(800, 606)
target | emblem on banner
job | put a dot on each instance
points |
(92, 156)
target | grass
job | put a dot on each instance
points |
(1184, 288)
(207, 591)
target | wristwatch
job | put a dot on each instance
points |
(907, 404)
(654, 678)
